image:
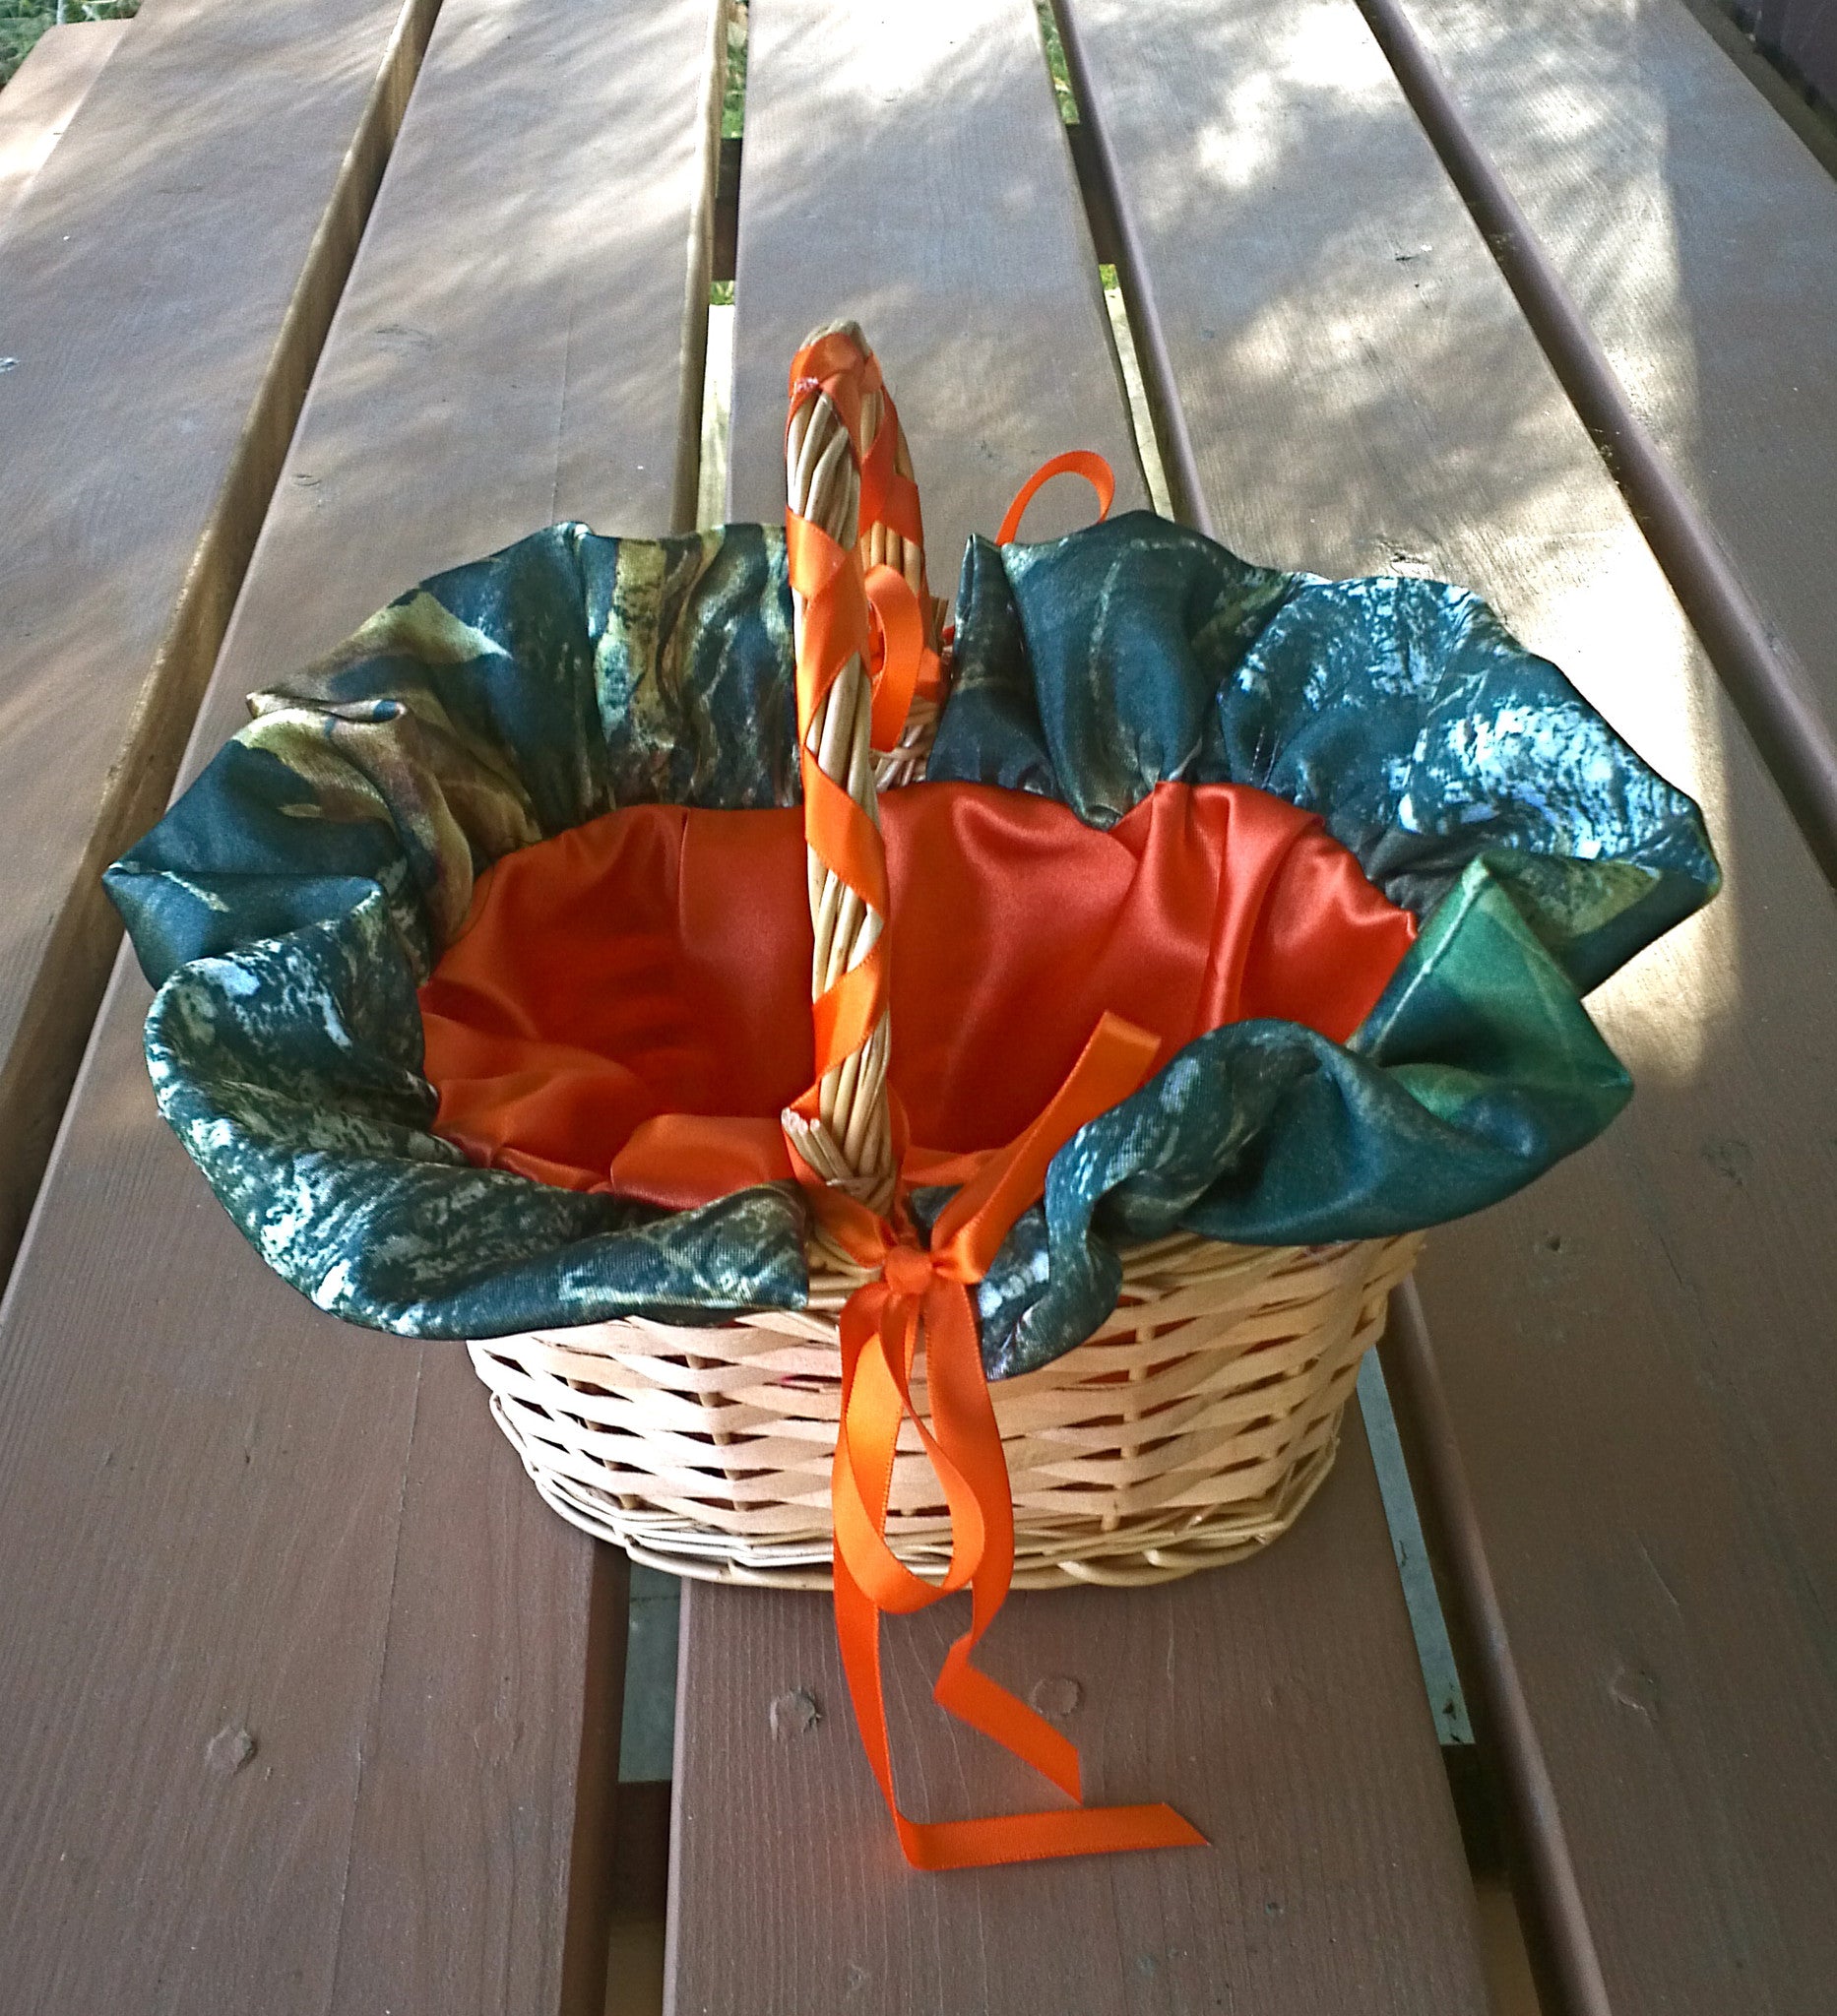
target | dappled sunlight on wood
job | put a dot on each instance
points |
(1636, 1352)
(42, 98)
(1364, 398)
(1605, 613)
(156, 351)
(980, 408)
(308, 1663)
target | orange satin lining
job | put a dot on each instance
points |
(647, 973)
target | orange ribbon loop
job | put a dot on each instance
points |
(925, 1294)
(1075, 462)
(898, 664)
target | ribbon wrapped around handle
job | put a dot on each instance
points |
(861, 653)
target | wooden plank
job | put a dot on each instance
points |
(1813, 120)
(1777, 698)
(164, 285)
(1277, 1702)
(220, 1511)
(1697, 237)
(908, 166)
(42, 95)
(991, 327)
(1635, 1353)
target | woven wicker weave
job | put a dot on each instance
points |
(1192, 1427)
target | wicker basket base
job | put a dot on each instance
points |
(1192, 1430)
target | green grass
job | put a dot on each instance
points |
(734, 105)
(23, 22)
(1055, 62)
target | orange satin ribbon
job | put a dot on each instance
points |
(836, 629)
(835, 828)
(1075, 462)
(898, 660)
(927, 1292)
(900, 664)
(918, 1291)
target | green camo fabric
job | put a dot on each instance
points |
(293, 898)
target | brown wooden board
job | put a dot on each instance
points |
(953, 236)
(306, 1701)
(1814, 121)
(1276, 1702)
(42, 95)
(165, 284)
(908, 166)
(1637, 1353)
(1698, 238)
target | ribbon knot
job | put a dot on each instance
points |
(908, 1270)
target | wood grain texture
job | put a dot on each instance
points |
(1698, 238)
(1814, 122)
(1636, 1353)
(1275, 1702)
(306, 1702)
(908, 166)
(164, 287)
(1781, 710)
(41, 97)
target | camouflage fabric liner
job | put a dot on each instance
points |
(293, 900)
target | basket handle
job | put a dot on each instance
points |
(839, 1127)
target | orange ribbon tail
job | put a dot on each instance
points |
(927, 1294)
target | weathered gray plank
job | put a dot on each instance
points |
(901, 168)
(220, 1511)
(1636, 1353)
(1660, 221)
(907, 166)
(165, 284)
(42, 95)
(1276, 1702)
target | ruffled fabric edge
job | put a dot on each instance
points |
(292, 899)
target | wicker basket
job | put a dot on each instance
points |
(1192, 1427)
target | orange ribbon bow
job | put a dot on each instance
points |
(918, 1293)
(925, 1293)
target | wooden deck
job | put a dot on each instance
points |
(306, 1702)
